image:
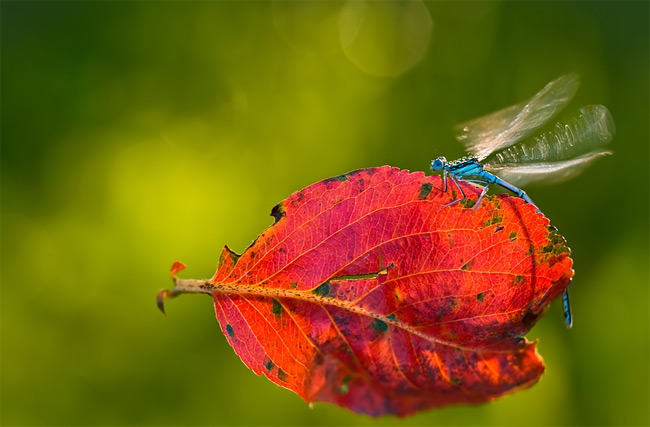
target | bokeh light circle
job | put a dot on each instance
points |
(385, 38)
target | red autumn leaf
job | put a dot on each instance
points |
(365, 292)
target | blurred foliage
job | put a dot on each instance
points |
(138, 133)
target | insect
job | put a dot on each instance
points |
(516, 145)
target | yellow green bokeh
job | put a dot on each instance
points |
(135, 134)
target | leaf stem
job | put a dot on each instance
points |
(183, 286)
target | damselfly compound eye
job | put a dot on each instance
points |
(438, 163)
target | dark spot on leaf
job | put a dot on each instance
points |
(467, 265)
(557, 244)
(230, 331)
(341, 320)
(518, 279)
(498, 228)
(391, 316)
(253, 254)
(282, 376)
(495, 219)
(340, 178)
(480, 296)
(281, 250)
(455, 381)
(234, 257)
(361, 185)
(277, 308)
(293, 285)
(344, 388)
(269, 365)
(512, 236)
(379, 326)
(445, 309)
(278, 212)
(425, 190)
(323, 290)
(467, 202)
(299, 196)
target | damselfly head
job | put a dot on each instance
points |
(438, 163)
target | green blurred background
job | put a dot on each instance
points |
(135, 134)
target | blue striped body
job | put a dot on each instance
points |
(470, 169)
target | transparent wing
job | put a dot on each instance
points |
(504, 128)
(549, 172)
(591, 129)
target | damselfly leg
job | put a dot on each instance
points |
(484, 184)
(445, 188)
(460, 199)
(444, 182)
